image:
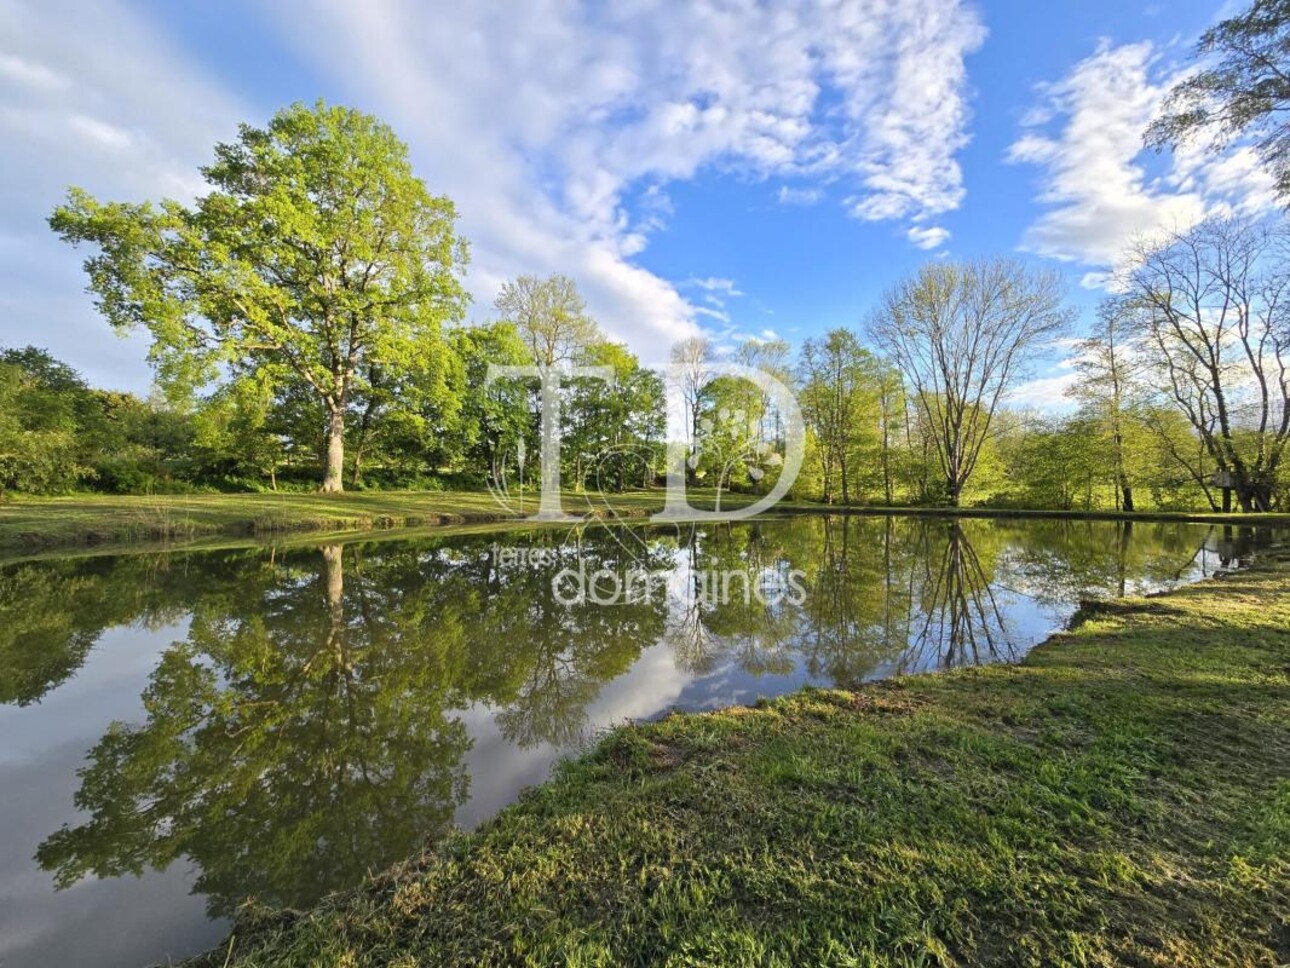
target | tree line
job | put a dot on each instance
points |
(307, 323)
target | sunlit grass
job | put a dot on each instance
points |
(1121, 797)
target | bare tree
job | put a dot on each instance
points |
(692, 372)
(962, 335)
(1110, 364)
(550, 315)
(1214, 302)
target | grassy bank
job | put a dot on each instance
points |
(1120, 798)
(32, 525)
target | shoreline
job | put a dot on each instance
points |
(1120, 795)
(97, 524)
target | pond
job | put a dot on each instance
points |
(180, 732)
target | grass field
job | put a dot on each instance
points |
(29, 524)
(1122, 797)
(34, 525)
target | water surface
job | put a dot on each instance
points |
(181, 732)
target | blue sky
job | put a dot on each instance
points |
(745, 169)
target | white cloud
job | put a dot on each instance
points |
(1045, 393)
(557, 127)
(718, 314)
(22, 71)
(543, 120)
(99, 133)
(713, 284)
(1097, 188)
(798, 196)
(928, 237)
(95, 98)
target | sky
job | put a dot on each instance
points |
(748, 170)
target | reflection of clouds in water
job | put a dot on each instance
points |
(499, 767)
(106, 688)
(458, 663)
(127, 922)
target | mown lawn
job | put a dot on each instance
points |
(88, 520)
(1120, 798)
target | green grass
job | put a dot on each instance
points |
(1122, 797)
(33, 525)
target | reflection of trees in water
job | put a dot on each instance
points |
(898, 595)
(958, 620)
(902, 594)
(308, 728)
(52, 613)
(1060, 561)
(857, 606)
(728, 602)
(306, 731)
(554, 657)
(1235, 547)
(293, 741)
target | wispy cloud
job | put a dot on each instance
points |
(928, 237)
(544, 119)
(798, 196)
(1096, 188)
(713, 284)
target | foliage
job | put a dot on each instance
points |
(550, 316)
(962, 335)
(839, 390)
(317, 256)
(1242, 89)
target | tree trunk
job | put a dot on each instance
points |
(1127, 503)
(356, 476)
(1254, 498)
(334, 577)
(333, 475)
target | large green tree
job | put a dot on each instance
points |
(317, 254)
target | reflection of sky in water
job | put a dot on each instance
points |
(124, 921)
(131, 921)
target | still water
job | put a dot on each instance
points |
(181, 732)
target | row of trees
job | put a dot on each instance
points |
(1181, 390)
(1182, 385)
(307, 314)
(421, 427)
